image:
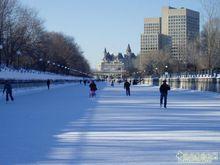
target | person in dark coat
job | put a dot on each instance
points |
(48, 84)
(8, 90)
(84, 82)
(93, 89)
(163, 93)
(127, 88)
(112, 83)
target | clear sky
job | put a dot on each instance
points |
(96, 24)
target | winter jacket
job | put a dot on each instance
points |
(7, 88)
(127, 85)
(164, 88)
(48, 82)
(93, 87)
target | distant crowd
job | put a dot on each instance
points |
(163, 89)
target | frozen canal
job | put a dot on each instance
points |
(64, 126)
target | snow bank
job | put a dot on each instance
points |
(22, 74)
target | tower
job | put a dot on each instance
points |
(182, 25)
(128, 50)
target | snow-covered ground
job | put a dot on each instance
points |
(64, 126)
(7, 73)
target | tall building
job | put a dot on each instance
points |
(152, 26)
(152, 39)
(182, 25)
(171, 31)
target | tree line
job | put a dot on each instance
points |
(24, 43)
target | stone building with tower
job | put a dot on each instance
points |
(115, 66)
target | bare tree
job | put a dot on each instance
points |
(7, 8)
(192, 55)
(156, 62)
(60, 49)
(210, 33)
(24, 29)
(27, 44)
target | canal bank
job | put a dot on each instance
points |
(17, 84)
(193, 83)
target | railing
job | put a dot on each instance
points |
(200, 74)
(193, 81)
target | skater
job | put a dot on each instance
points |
(163, 93)
(112, 83)
(8, 90)
(48, 84)
(84, 82)
(127, 88)
(93, 89)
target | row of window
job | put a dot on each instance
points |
(150, 41)
(148, 37)
(177, 29)
(150, 28)
(152, 24)
(144, 44)
(177, 20)
(177, 16)
(150, 48)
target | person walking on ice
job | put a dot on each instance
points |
(8, 90)
(112, 83)
(127, 88)
(93, 89)
(48, 84)
(163, 93)
(84, 82)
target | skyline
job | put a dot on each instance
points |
(100, 24)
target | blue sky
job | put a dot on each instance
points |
(96, 24)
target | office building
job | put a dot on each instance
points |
(182, 25)
(172, 31)
(152, 39)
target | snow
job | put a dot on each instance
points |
(22, 74)
(64, 126)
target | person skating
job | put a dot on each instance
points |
(48, 84)
(163, 93)
(127, 88)
(84, 82)
(8, 90)
(93, 89)
(112, 83)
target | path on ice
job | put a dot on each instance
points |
(64, 126)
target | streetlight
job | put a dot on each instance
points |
(156, 71)
(18, 55)
(41, 64)
(166, 71)
(1, 48)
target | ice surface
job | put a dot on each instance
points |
(65, 126)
